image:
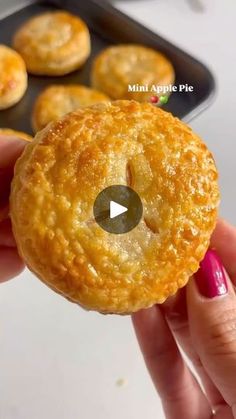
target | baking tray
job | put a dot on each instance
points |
(107, 26)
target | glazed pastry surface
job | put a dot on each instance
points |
(13, 77)
(118, 66)
(53, 43)
(71, 161)
(57, 100)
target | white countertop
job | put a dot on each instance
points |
(60, 362)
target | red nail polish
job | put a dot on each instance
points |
(210, 278)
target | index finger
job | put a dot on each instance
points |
(172, 378)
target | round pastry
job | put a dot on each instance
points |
(13, 133)
(121, 71)
(53, 43)
(71, 161)
(57, 100)
(13, 77)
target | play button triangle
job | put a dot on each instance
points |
(116, 209)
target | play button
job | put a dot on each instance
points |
(118, 209)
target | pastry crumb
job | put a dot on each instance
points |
(121, 382)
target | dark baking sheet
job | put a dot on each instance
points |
(107, 26)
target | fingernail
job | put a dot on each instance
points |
(210, 278)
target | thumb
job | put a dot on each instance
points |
(10, 149)
(211, 302)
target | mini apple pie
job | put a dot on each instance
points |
(57, 100)
(13, 77)
(58, 178)
(53, 43)
(130, 72)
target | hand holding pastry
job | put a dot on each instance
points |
(202, 319)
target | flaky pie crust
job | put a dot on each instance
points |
(62, 171)
(13, 77)
(118, 66)
(57, 100)
(53, 43)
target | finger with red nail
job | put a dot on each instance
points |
(201, 319)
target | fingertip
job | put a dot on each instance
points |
(142, 317)
(4, 211)
(210, 281)
(192, 291)
(223, 240)
(10, 149)
(175, 306)
(10, 139)
(10, 263)
(6, 235)
(222, 232)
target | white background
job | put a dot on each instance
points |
(60, 362)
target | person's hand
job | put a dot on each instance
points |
(202, 319)
(10, 262)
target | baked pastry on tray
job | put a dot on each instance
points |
(13, 133)
(53, 43)
(57, 100)
(119, 66)
(13, 77)
(71, 161)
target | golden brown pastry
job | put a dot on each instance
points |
(117, 67)
(57, 100)
(13, 77)
(62, 171)
(53, 43)
(13, 133)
